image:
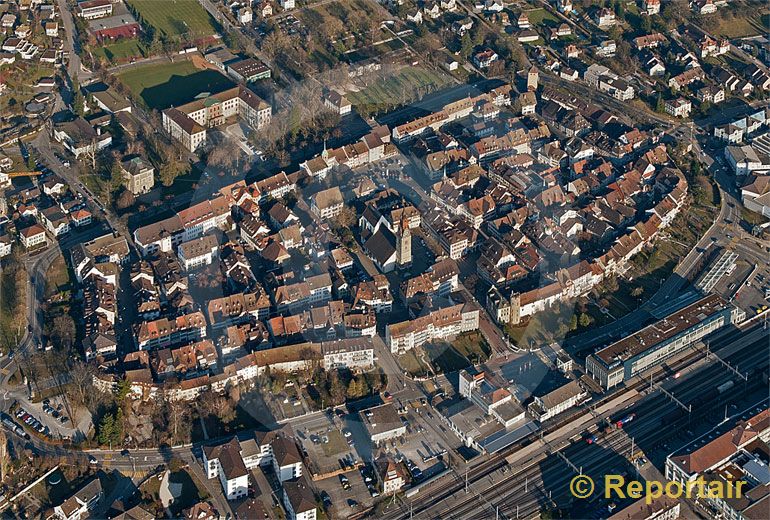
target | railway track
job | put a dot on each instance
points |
(442, 490)
(524, 491)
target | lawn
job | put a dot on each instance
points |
(412, 364)
(542, 17)
(472, 346)
(738, 27)
(544, 327)
(57, 277)
(190, 494)
(336, 444)
(164, 85)
(122, 50)
(389, 92)
(184, 183)
(444, 357)
(751, 218)
(175, 18)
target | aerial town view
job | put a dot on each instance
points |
(384, 259)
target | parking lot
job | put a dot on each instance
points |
(340, 441)
(44, 418)
(329, 445)
(53, 416)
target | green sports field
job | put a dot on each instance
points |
(175, 17)
(408, 79)
(172, 84)
(121, 50)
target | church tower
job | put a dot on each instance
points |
(403, 244)
(515, 308)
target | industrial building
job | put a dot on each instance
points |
(655, 343)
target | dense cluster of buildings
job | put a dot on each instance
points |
(734, 455)
(238, 464)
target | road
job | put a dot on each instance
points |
(36, 267)
(74, 68)
(42, 145)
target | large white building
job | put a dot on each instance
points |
(165, 332)
(198, 252)
(655, 343)
(298, 499)
(232, 460)
(327, 204)
(490, 397)
(746, 159)
(92, 9)
(225, 462)
(382, 423)
(442, 323)
(353, 353)
(79, 504)
(188, 123)
(186, 225)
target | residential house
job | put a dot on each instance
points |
(337, 102)
(298, 499)
(82, 502)
(138, 175)
(327, 204)
(679, 107)
(485, 58)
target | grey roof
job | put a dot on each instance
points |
(299, 494)
(382, 245)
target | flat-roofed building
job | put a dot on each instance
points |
(382, 423)
(248, 70)
(91, 9)
(655, 343)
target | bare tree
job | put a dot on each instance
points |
(81, 387)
